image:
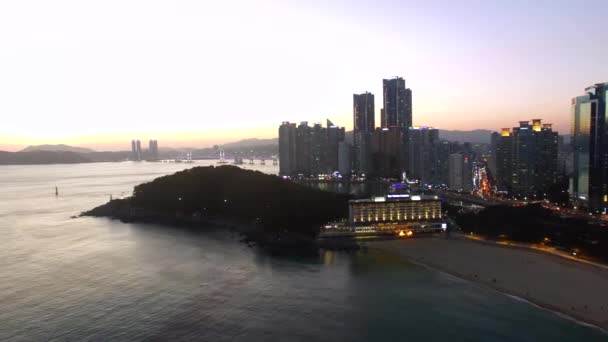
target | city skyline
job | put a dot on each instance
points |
(101, 84)
(319, 170)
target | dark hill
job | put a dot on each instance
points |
(275, 205)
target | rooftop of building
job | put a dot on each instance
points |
(397, 198)
(597, 85)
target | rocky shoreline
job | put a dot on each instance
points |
(253, 235)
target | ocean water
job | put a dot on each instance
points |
(88, 279)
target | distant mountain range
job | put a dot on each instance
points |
(53, 154)
(253, 142)
(478, 136)
(57, 148)
(41, 157)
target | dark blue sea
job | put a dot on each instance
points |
(88, 279)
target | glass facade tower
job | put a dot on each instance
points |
(589, 182)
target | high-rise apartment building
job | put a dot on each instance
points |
(547, 157)
(523, 162)
(304, 149)
(134, 150)
(386, 144)
(138, 147)
(335, 135)
(153, 150)
(526, 159)
(423, 157)
(444, 150)
(345, 158)
(589, 183)
(397, 105)
(503, 159)
(491, 156)
(397, 112)
(363, 127)
(364, 111)
(309, 150)
(287, 148)
(318, 144)
(456, 171)
(362, 152)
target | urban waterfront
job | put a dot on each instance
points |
(66, 279)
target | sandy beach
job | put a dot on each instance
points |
(569, 287)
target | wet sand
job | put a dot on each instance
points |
(575, 289)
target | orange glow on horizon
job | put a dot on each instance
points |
(122, 141)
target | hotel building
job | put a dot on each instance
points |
(394, 209)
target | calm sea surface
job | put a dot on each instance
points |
(88, 279)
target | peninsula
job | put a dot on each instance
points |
(270, 210)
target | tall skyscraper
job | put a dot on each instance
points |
(310, 150)
(304, 149)
(136, 150)
(287, 149)
(444, 150)
(363, 127)
(581, 144)
(522, 164)
(589, 183)
(547, 157)
(526, 159)
(362, 152)
(503, 156)
(335, 135)
(344, 158)
(386, 146)
(153, 150)
(133, 150)
(456, 171)
(318, 147)
(397, 105)
(491, 156)
(397, 112)
(423, 162)
(364, 112)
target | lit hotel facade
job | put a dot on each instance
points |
(394, 209)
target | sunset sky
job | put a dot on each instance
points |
(194, 73)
